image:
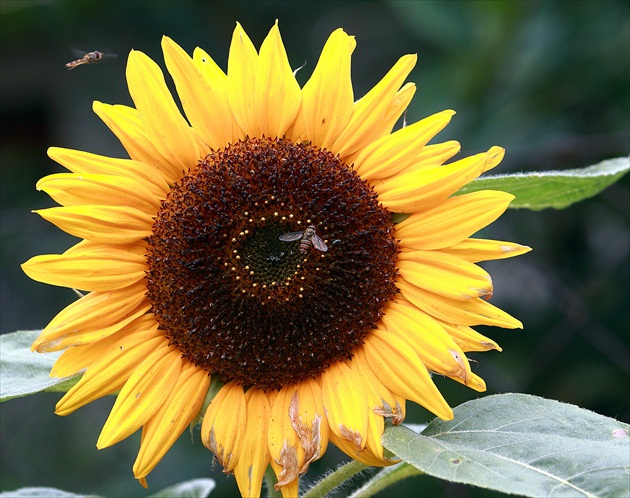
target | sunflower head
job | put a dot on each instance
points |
(279, 309)
(259, 240)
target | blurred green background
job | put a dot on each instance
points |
(546, 80)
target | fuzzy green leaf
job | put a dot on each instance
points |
(195, 488)
(553, 189)
(43, 493)
(524, 445)
(25, 372)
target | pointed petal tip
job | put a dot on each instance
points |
(446, 413)
(494, 156)
(166, 42)
(448, 115)
(39, 345)
(102, 443)
(238, 30)
(51, 151)
(97, 106)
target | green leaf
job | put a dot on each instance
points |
(195, 488)
(553, 189)
(25, 372)
(42, 493)
(521, 444)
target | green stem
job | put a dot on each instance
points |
(337, 478)
(384, 479)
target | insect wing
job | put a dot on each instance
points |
(106, 56)
(319, 243)
(78, 53)
(291, 236)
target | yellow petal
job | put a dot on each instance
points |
(471, 312)
(437, 350)
(436, 154)
(365, 456)
(254, 456)
(476, 383)
(165, 127)
(171, 419)
(210, 70)
(91, 313)
(204, 97)
(105, 224)
(224, 425)
(308, 419)
(381, 404)
(291, 489)
(143, 394)
(392, 153)
(396, 108)
(382, 400)
(327, 96)
(126, 124)
(495, 156)
(128, 335)
(71, 189)
(475, 250)
(89, 266)
(298, 432)
(218, 81)
(84, 163)
(444, 274)
(469, 339)
(112, 370)
(432, 156)
(283, 441)
(92, 334)
(242, 69)
(277, 93)
(346, 404)
(297, 131)
(426, 188)
(453, 220)
(354, 442)
(399, 368)
(369, 112)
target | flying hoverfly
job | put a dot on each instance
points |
(308, 238)
(88, 58)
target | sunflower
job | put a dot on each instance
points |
(284, 241)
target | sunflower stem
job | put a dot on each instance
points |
(337, 478)
(270, 480)
(384, 479)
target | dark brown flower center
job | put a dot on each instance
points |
(269, 262)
